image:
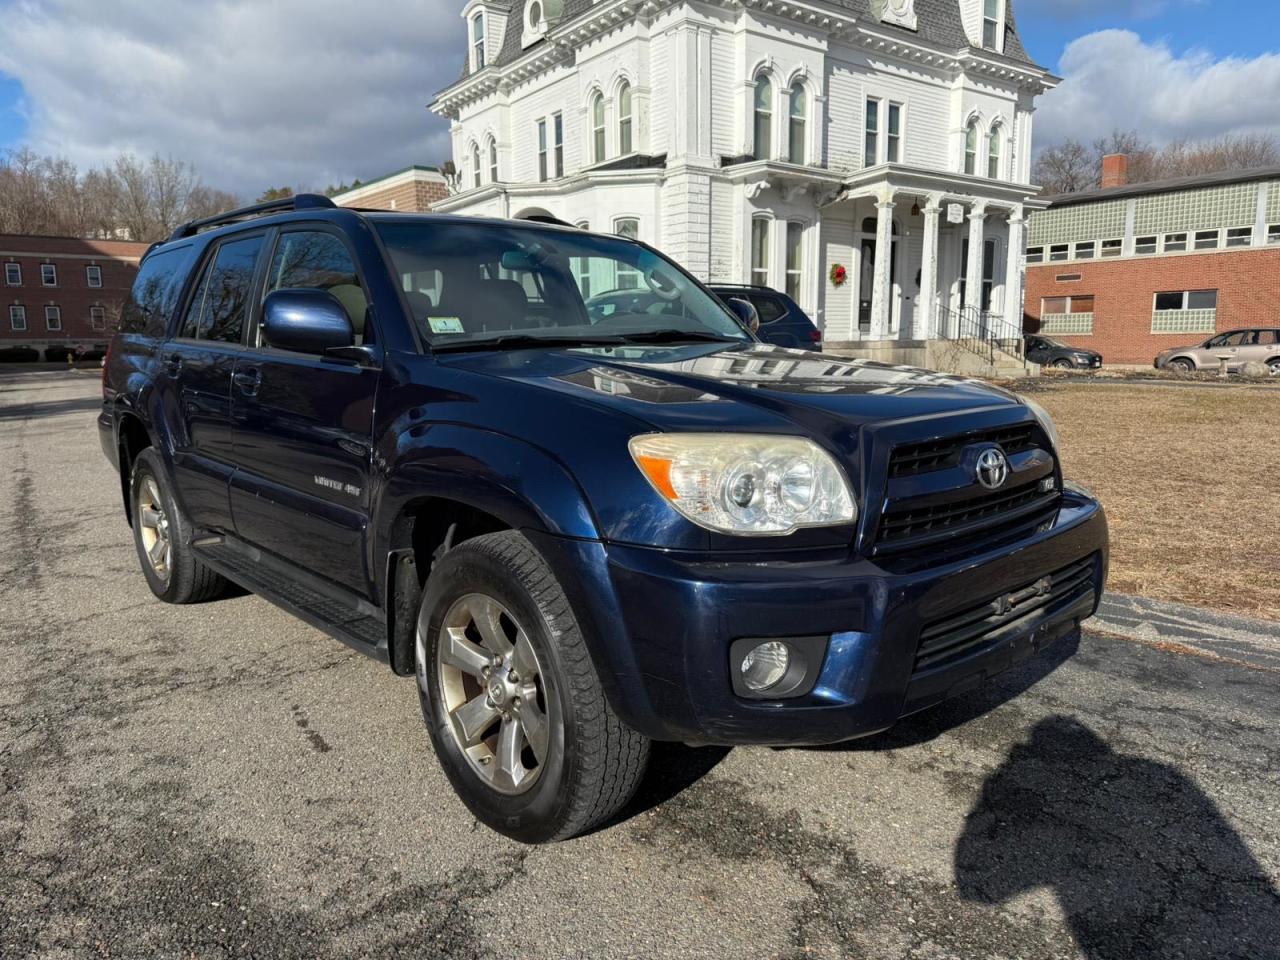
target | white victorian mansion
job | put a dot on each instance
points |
(769, 142)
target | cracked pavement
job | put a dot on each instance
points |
(221, 780)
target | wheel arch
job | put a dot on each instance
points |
(132, 437)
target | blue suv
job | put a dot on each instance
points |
(580, 531)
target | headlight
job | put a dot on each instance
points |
(745, 483)
(1046, 421)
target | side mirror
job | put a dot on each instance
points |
(745, 312)
(307, 321)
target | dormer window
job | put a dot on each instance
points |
(991, 18)
(534, 14)
(477, 42)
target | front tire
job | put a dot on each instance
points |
(1180, 365)
(162, 537)
(515, 709)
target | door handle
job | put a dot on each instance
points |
(248, 381)
(173, 364)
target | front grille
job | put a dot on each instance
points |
(959, 634)
(911, 459)
(906, 523)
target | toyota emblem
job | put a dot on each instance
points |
(993, 468)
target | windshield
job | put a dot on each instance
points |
(503, 284)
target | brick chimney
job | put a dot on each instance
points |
(1115, 170)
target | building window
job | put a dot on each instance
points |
(1175, 242)
(49, 274)
(97, 318)
(53, 318)
(93, 275)
(1067, 315)
(1239, 236)
(760, 251)
(971, 148)
(1060, 251)
(13, 274)
(18, 317)
(796, 125)
(1086, 250)
(1144, 245)
(542, 150)
(1207, 239)
(993, 152)
(991, 24)
(493, 160)
(477, 42)
(1273, 233)
(625, 145)
(557, 129)
(1112, 248)
(893, 142)
(1185, 311)
(871, 149)
(626, 278)
(1035, 254)
(597, 128)
(763, 118)
(795, 255)
(475, 165)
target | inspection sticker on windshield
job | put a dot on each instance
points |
(445, 324)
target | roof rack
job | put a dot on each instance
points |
(299, 201)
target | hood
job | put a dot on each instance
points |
(737, 386)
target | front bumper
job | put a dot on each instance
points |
(660, 626)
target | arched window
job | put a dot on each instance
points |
(475, 164)
(798, 113)
(993, 151)
(624, 119)
(493, 160)
(971, 147)
(597, 128)
(760, 251)
(763, 118)
(477, 42)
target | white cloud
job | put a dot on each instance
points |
(1114, 80)
(291, 92)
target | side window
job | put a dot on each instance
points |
(769, 308)
(155, 289)
(220, 306)
(1268, 337)
(319, 260)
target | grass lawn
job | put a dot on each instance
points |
(1190, 479)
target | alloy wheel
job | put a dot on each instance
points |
(491, 689)
(155, 529)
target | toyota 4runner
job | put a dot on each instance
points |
(579, 529)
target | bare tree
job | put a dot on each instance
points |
(1068, 167)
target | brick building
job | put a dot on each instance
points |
(413, 190)
(1133, 269)
(62, 292)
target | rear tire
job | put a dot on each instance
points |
(162, 537)
(513, 704)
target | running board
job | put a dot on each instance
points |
(350, 619)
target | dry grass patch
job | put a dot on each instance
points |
(1189, 479)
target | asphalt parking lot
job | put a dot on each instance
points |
(223, 780)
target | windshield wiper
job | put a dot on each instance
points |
(522, 340)
(676, 336)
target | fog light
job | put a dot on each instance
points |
(765, 666)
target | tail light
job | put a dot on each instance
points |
(815, 335)
(106, 361)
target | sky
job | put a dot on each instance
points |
(307, 93)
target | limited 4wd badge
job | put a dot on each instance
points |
(338, 485)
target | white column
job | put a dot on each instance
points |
(927, 299)
(1013, 272)
(973, 269)
(880, 291)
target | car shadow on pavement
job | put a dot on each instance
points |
(1139, 857)
(49, 408)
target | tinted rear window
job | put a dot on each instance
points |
(155, 292)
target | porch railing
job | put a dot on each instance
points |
(983, 333)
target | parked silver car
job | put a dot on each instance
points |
(1238, 346)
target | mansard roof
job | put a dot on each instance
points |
(938, 22)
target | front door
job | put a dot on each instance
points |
(199, 361)
(304, 425)
(866, 280)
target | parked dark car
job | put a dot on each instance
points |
(579, 534)
(1054, 353)
(782, 322)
